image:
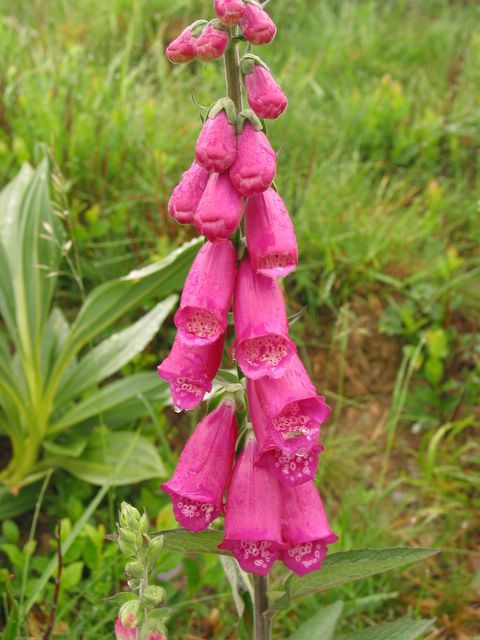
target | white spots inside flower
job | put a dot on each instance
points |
(291, 423)
(294, 467)
(186, 385)
(202, 323)
(275, 261)
(191, 509)
(265, 350)
(257, 552)
(307, 554)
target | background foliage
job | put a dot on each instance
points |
(380, 172)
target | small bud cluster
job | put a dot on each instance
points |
(272, 509)
(141, 615)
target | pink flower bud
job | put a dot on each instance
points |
(212, 43)
(254, 168)
(190, 369)
(220, 209)
(199, 481)
(155, 635)
(265, 95)
(229, 11)
(262, 346)
(216, 145)
(256, 25)
(124, 633)
(293, 409)
(183, 48)
(270, 235)
(253, 515)
(291, 469)
(207, 294)
(186, 195)
(305, 529)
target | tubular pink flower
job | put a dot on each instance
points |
(305, 529)
(262, 346)
(186, 195)
(212, 43)
(220, 209)
(271, 240)
(216, 145)
(256, 25)
(229, 11)
(124, 633)
(207, 294)
(253, 515)
(190, 369)
(294, 410)
(183, 48)
(291, 469)
(254, 168)
(203, 470)
(265, 95)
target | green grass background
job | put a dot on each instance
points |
(380, 173)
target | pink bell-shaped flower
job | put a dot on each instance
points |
(265, 95)
(253, 515)
(255, 165)
(256, 25)
(207, 294)
(291, 469)
(293, 408)
(220, 209)
(262, 346)
(203, 470)
(229, 11)
(184, 47)
(212, 43)
(186, 195)
(305, 529)
(216, 147)
(189, 370)
(124, 633)
(271, 240)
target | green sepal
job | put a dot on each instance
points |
(248, 114)
(248, 62)
(224, 104)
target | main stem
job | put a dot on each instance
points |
(261, 623)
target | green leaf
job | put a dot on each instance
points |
(347, 566)
(71, 448)
(13, 553)
(12, 628)
(106, 398)
(120, 598)
(13, 505)
(401, 630)
(71, 576)
(322, 625)
(99, 462)
(114, 352)
(184, 541)
(10, 531)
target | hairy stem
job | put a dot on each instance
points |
(261, 623)
(232, 74)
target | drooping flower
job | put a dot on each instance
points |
(254, 168)
(216, 147)
(253, 515)
(220, 209)
(229, 11)
(291, 469)
(262, 346)
(256, 25)
(271, 240)
(186, 195)
(293, 408)
(212, 43)
(124, 633)
(305, 529)
(198, 484)
(184, 47)
(265, 95)
(207, 294)
(189, 370)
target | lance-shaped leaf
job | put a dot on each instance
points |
(404, 629)
(202, 542)
(322, 625)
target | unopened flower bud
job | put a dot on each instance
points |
(143, 524)
(212, 43)
(128, 614)
(256, 25)
(265, 95)
(216, 146)
(229, 11)
(127, 535)
(153, 595)
(126, 548)
(254, 168)
(129, 516)
(157, 546)
(124, 633)
(184, 47)
(186, 195)
(134, 570)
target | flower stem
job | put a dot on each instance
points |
(261, 623)
(232, 74)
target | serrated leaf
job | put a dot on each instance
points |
(322, 625)
(203, 542)
(347, 566)
(401, 630)
(114, 352)
(99, 462)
